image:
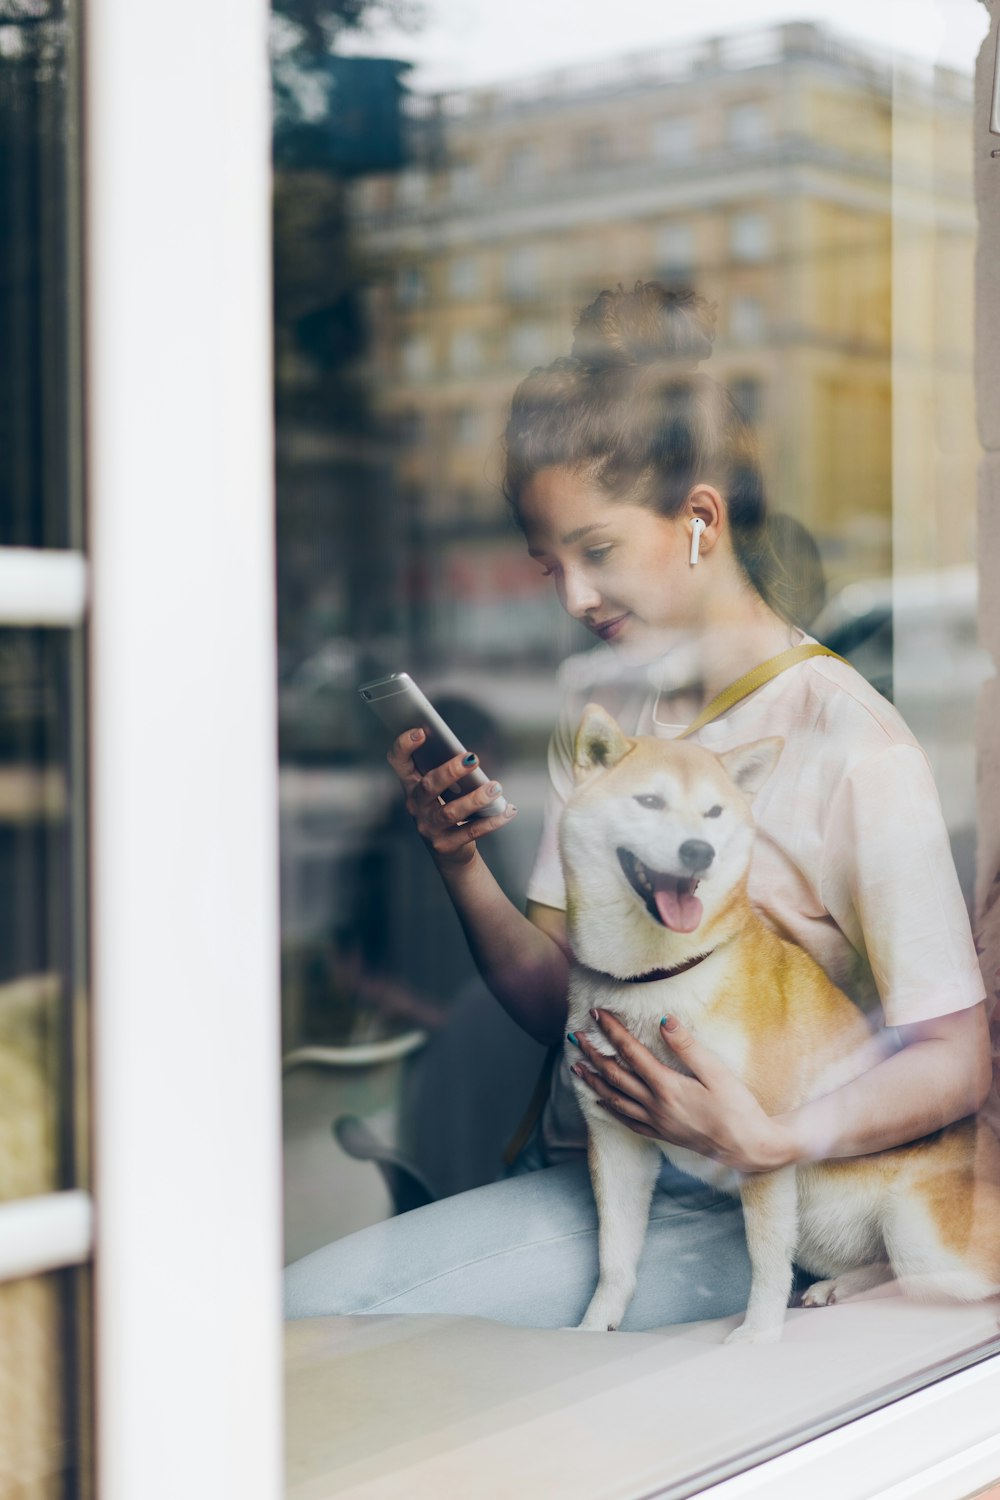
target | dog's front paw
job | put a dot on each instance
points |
(747, 1335)
(821, 1294)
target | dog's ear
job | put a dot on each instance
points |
(599, 741)
(751, 765)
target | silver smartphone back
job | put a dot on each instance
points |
(401, 705)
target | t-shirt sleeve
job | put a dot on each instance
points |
(888, 880)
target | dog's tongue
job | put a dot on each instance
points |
(679, 907)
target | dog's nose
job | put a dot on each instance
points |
(696, 855)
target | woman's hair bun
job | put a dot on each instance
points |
(645, 326)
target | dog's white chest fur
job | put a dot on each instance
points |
(640, 1007)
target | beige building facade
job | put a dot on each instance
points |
(773, 171)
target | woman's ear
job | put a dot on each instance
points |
(705, 504)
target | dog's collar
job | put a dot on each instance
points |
(655, 975)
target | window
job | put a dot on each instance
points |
(523, 165)
(528, 344)
(750, 236)
(747, 392)
(464, 277)
(412, 188)
(463, 181)
(675, 252)
(747, 126)
(411, 286)
(522, 271)
(468, 427)
(417, 358)
(675, 162)
(674, 138)
(466, 352)
(746, 320)
(596, 149)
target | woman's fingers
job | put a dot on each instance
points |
(610, 1071)
(638, 1058)
(400, 756)
(632, 1110)
(450, 827)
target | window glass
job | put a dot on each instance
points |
(675, 252)
(674, 137)
(801, 195)
(750, 236)
(463, 277)
(747, 125)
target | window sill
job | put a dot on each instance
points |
(385, 1405)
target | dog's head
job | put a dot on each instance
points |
(656, 842)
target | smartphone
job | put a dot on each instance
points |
(401, 705)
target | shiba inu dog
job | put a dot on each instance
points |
(656, 842)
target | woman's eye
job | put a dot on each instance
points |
(650, 800)
(714, 812)
(597, 554)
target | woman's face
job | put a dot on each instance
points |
(620, 568)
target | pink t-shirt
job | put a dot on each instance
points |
(852, 859)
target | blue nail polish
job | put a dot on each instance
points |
(469, 760)
(663, 1020)
(572, 1038)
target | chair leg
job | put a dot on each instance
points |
(408, 1188)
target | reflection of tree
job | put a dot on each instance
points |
(37, 145)
(338, 546)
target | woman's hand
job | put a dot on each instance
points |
(711, 1112)
(449, 829)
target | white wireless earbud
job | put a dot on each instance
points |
(697, 527)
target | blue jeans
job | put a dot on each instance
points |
(523, 1251)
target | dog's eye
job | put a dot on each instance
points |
(714, 812)
(650, 800)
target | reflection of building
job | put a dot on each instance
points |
(763, 168)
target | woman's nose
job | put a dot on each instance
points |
(579, 596)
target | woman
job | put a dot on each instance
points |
(612, 456)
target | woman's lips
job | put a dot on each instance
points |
(608, 629)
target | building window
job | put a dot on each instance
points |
(411, 188)
(416, 358)
(674, 137)
(596, 149)
(675, 252)
(747, 126)
(522, 271)
(411, 286)
(528, 345)
(467, 427)
(748, 393)
(750, 237)
(411, 427)
(523, 165)
(463, 181)
(746, 320)
(464, 278)
(466, 351)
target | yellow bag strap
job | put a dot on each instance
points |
(754, 679)
(734, 693)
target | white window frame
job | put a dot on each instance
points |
(184, 796)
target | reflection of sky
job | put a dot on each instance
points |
(467, 42)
